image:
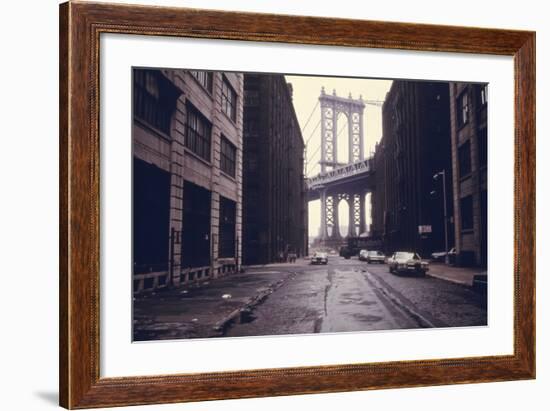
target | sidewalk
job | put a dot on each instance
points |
(204, 310)
(300, 262)
(458, 275)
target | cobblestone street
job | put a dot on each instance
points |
(343, 296)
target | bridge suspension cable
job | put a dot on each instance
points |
(306, 143)
(313, 132)
(310, 115)
(313, 155)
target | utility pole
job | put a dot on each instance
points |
(436, 175)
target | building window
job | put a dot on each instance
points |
(482, 146)
(198, 133)
(483, 94)
(154, 99)
(229, 100)
(464, 160)
(463, 108)
(227, 228)
(205, 78)
(252, 98)
(467, 213)
(228, 159)
(251, 125)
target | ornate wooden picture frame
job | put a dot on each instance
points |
(81, 25)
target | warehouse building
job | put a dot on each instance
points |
(408, 202)
(187, 176)
(275, 193)
(469, 154)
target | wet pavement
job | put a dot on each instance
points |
(345, 295)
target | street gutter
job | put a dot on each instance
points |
(242, 313)
(424, 320)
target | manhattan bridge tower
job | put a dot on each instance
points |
(331, 195)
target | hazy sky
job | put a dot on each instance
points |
(306, 96)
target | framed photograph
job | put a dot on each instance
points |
(258, 205)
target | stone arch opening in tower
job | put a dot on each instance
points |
(332, 106)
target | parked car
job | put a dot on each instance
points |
(345, 252)
(363, 255)
(374, 256)
(440, 255)
(406, 261)
(319, 258)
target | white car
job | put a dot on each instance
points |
(406, 261)
(319, 258)
(440, 255)
(375, 257)
(363, 255)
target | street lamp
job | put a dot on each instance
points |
(435, 177)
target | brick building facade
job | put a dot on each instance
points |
(469, 155)
(414, 147)
(275, 198)
(378, 195)
(187, 176)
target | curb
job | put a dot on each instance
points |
(245, 311)
(401, 302)
(451, 280)
(271, 266)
